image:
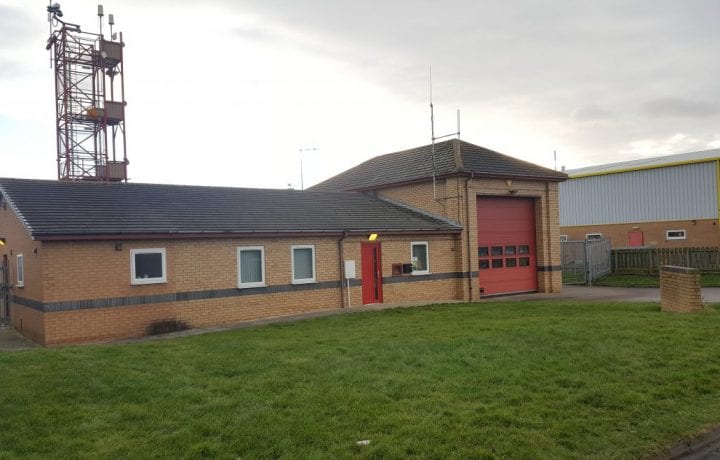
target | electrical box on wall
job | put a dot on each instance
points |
(402, 269)
(349, 269)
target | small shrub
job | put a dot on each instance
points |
(166, 325)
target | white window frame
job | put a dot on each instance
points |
(683, 237)
(141, 281)
(596, 236)
(20, 271)
(292, 264)
(260, 283)
(427, 255)
(563, 238)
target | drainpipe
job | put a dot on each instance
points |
(467, 235)
(341, 247)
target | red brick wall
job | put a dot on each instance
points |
(18, 241)
(444, 257)
(133, 321)
(680, 289)
(453, 203)
(29, 322)
(700, 233)
(92, 270)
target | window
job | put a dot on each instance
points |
(20, 271)
(251, 266)
(593, 236)
(419, 254)
(303, 264)
(675, 235)
(147, 266)
(563, 238)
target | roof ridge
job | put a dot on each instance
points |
(457, 155)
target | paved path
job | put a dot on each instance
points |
(703, 447)
(609, 294)
(10, 339)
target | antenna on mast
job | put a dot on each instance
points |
(434, 138)
(54, 14)
(111, 22)
(312, 149)
(101, 13)
(432, 134)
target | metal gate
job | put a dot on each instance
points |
(4, 291)
(585, 261)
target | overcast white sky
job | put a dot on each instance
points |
(224, 92)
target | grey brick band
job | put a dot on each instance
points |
(70, 305)
(549, 268)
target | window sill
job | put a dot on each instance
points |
(420, 273)
(307, 281)
(143, 282)
(252, 285)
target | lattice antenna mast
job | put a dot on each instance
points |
(434, 138)
(89, 100)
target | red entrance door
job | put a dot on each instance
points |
(635, 238)
(506, 245)
(371, 273)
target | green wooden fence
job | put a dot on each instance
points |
(649, 260)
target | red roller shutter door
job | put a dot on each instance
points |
(506, 245)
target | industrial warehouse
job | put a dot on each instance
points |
(669, 201)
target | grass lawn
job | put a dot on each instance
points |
(706, 280)
(502, 379)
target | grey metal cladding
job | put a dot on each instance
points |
(681, 192)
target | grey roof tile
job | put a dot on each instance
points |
(56, 208)
(417, 164)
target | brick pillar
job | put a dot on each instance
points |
(680, 289)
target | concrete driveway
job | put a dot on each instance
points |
(609, 294)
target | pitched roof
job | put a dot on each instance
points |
(63, 209)
(451, 157)
(647, 163)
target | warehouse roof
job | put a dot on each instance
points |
(452, 157)
(647, 163)
(58, 209)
